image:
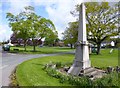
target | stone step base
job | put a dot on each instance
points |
(88, 70)
(92, 73)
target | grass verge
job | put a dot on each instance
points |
(31, 73)
(40, 50)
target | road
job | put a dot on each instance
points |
(9, 61)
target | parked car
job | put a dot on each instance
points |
(6, 47)
(94, 49)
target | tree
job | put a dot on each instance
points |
(71, 34)
(27, 25)
(51, 38)
(102, 21)
(20, 24)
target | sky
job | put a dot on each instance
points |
(58, 11)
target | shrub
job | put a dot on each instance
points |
(109, 80)
(58, 64)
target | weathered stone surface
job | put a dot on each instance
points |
(88, 70)
(110, 69)
(66, 69)
(82, 52)
(117, 69)
(92, 73)
(54, 66)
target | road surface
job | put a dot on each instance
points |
(9, 61)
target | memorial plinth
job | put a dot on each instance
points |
(81, 65)
(82, 53)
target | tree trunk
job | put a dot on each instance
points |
(25, 45)
(34, 49)
(71, 46)
(98, 48)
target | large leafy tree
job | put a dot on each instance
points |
(41, 28)
(20, 24)
(51, 38)
(102, 21)
(27, 25)
(71, 34)
(47, 30)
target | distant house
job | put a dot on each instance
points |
(19, 41)
(60, 43)
(104, 44)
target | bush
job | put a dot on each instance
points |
(110, 80)
(58, 64)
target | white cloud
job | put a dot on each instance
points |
(45, 2)
(59, 12)
(17, 6)
(5, 32)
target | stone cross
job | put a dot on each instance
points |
(81, 60)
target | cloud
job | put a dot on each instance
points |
(5, 32)
(44, 2)
(17, 6)
(59, 12)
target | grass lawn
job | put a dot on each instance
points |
(30, 73)
(105, 59)
(40, 50)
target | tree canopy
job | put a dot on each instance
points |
(71, 33)
(102, 21)
(27, 24)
